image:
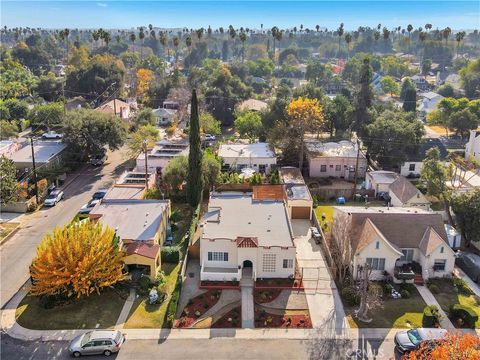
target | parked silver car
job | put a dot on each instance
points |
(410, 340)
(96, 342)
(53, 198)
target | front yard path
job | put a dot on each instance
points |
(428, 297)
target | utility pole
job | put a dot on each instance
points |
(146, 163)
(34, 170)
(356, 170)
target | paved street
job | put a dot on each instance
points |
(17, 253)
(210, 349)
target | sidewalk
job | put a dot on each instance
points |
(123, 317)
(459, 272)
(429, 299)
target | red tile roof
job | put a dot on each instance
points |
(247, 242)
(142, 249)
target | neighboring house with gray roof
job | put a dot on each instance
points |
(164, 116)
(48, 154)
(245, 237)
(400, 190)
(390, 239)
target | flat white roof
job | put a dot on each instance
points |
(132, 219)
(331, 149)
(256, 150)
(383, 177)
(232, 214)
(44, 151)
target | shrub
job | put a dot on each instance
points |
(431, 316)
(405, 294)
(409, 287)
(461, 286)
(465, 313)
(160, 278)
(416, 267)
(433, 288)
(172, 305)
(144, 283)
(350, 296)
(170, 254)
(387, 289)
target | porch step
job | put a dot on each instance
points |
(418, 280)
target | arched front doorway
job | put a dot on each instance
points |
(247, 269)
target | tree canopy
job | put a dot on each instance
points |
(249, 125)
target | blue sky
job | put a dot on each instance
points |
(128, 14)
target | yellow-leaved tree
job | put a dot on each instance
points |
(304, 115)
(77, 260)
(144, 79)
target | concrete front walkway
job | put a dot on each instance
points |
(227, 297)
(324, 303)
(246, 287)
(429, 299)
(459, 273)
(123, 317)
(289, 300)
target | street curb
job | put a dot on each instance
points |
(9, 236)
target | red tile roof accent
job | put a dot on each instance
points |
(142, 249)
(247, 242)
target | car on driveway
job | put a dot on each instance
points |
(85, 209)
(410, 340)
(470, 264)
(209, 137)
(317, 237)
(53, 198)
(99, 194)
(97, 342)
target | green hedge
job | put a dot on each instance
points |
(172, 305)
(465, 313)
(431, 316)
(350, 296)
(170, 254)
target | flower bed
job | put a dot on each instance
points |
(265, 296)
(196, 307)
(232, 319)
(279, 283)
(264, 319)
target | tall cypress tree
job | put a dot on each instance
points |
(410, 101)
(194, 176)
(364, 99)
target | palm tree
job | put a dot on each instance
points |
(117, 38)
(274, 32)
(317, 27)
(459, 37)
(446, 33)
(95, 36)
(188, 41)
(132, 38)
(162, 37)
(141, 36)
(348, 40)
(428, 27)
(340, 34)
(153, 35)
(409, 29)
(64, 36)
(243, 38)
(386, 35)
(176, 42)
(106, 37)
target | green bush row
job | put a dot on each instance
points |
(170, 254)
(172, 305)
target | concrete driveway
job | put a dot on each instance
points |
(473, 285)
(326, 309)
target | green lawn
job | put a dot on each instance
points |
(6, 229)
(398, 313)
(447, 297)
(146, 316)
(182, 225)
(94, 311)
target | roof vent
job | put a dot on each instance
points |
(249, 223)
(268, 230)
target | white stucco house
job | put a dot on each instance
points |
(164, 116)
(245, 237)
(161, 154)
(335, 159)
(401, 192)
(473, 146)
(412, 167)
(389, 240)
(257, 156)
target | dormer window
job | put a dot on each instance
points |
(377, 245)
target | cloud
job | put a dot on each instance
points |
(102, 4)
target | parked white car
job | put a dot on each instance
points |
(52, 135)
(85, 209)
(53, 198)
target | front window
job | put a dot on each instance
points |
(376, 263)
(407, 255)
(287, 263)
(269, 262)
(217, 256)
(414, 337)
(439, 265)
(411, 167)
(323, 168)
(338, 167)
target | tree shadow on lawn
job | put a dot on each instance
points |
(95, 311)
